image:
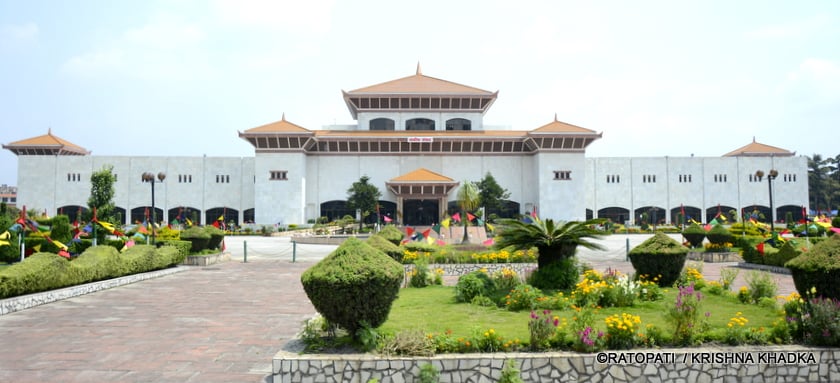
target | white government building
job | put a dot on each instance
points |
(417, 138)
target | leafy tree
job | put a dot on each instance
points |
(490, 194)
(468, 200)
(818, 182)
(102, 193)
(363, 196)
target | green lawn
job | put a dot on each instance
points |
(433, 310)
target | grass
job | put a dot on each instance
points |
(434, 310)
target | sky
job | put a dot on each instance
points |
(182, 77)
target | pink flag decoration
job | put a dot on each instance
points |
(456, 217)
(387, 219)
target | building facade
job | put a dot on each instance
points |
(418, 139)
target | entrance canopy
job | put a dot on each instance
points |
(421, 184)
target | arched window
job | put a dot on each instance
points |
(420, 124)
(382, 124)
(458, 124)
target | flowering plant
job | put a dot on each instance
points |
(685, 315)
(623, 331)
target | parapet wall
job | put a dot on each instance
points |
(727, 364)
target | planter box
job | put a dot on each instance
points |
(713, 257)
(206, 260)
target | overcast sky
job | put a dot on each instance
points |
(181, 77)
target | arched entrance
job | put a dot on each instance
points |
(421, 196)
(421, 212)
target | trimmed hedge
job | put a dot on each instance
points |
(694, 234)
(818, 268)
(392, 234)
(660, 256)
(39, 272)
(384, 245)
(198, 236)
(719, 235)
(354, 286)
(182, 246)
(216, 236)
(47, 271)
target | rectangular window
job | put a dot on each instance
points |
(562, 175)
(613, 179)
(721, 178)
(648, 178)
(278, 175)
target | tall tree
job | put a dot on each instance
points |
(363, 196)
(818, 190)
(468, 201)
(490, 194)
(102, 193)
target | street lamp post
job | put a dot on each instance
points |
(771, 175)
(150, 178)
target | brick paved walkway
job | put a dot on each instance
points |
(223, 323)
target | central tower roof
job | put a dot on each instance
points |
(418, 93)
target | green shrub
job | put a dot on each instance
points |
(392, 234)
(382, 244)
(60, 229)
(118, 244)
(761, 285)
(694, 234)
(818, 268)
(809, 230)
(38, 272)
(719, 235)
(787, 252)
(748, 250)
(559, 275)
(198, 237)
(79, 246)
(183, 249)
(354, 284)
(740, 229)
(97, 263)
(659, 255)
(216, 236)
(476, 283)
(143, 258)
(522, 297)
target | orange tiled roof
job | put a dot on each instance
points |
(561, 127)
(420, 84)
(757, 149)
(281, 126)
(422, 175)
(48, 141)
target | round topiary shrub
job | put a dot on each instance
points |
(661, 256)
(384, 245)
(719, 235)
(392, 234)
(818, 268)
(476, 283)
(694, 234)
(560, 275)
(216, 236)
(354, 285)
(198, 236)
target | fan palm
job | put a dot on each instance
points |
(555, 241)
(468, 201)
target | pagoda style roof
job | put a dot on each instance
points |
(421, 183)
(46, 145)
(423, 175)
(757, 149)
(562, 127)
(281, 126)
(418, 92)
(279, 136)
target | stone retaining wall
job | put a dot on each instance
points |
(457, 269)
(10, 305)
(725, 364)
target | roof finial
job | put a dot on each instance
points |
(284, 116)
(419, 72)
(49, 131)
(555, 116)
(753, 139)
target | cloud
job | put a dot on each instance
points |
(815, 80)
(164, 48)
(18, 34)
(312, 16)
(794, 29)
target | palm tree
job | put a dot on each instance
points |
(555, 241)
(468, 199)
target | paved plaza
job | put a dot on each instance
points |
(221, 323)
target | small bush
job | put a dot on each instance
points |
(408, 343)
(719, 235)
(199, 238)
(97, 263)
(392, 234)
(559, 275)
(354, 284)
(694, 234)
(818, 268)
(659, 255)
(474, 284)
(522, 297)
(382, 244)
(216, 236)
(183, 249)
(787, 252)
